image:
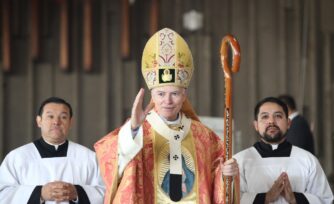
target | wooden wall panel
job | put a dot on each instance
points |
(91, 127)
(327, 104)
(102, 58)
(87, 35)
(293, 50)
(283, 48)
(2, 115)
(218, 15)
(65, 85)
(115, 77)
(16, 113)
(154, 17)
(64, 34)
(170, 14)
(131, 87)
(16, 93)
(267, 32)
(30, 89)
(202, 73)
(34, 28)
(193, 95)
(75, 66)
(125, 25)
(327, 7)
(43, 88)
(243, 28)
(5, 36)
(250, 57)
(330, 119)
(313, 81)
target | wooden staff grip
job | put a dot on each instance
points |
(230, 40)
(227, 41)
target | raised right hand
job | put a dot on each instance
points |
(138, 114)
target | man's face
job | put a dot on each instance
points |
(55, 122)
(168, 101)
(272, 123)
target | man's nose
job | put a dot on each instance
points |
(169, 98)
(271, 120)
(56, 121)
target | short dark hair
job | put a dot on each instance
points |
(288, 100)
(54, 100)
(270, 100)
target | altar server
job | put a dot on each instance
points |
(51, 169)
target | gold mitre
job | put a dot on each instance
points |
(167, 60)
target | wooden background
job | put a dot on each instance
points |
(89, 52)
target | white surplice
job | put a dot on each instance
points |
(23, 169)
(257, 175)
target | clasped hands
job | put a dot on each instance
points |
(281, 187)
(59, 191)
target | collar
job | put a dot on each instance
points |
(163, 128)
(174, 137)
(267, 150)
(47, 150)
(54, 145)
(173, 122)
(293, 115)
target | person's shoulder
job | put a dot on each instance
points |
(245, 153)
(299, 151)
(202, 132)
(111, 136)
(23, 148)
(199, 124)
(81, 155)
(302, 153)
(21, 152)
(73, 146)
(305, 157)
(200, 128)
(300, 119)
(78, 146)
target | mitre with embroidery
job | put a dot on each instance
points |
(167, 60)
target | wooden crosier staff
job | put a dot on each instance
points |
(229, 40)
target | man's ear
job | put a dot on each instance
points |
(289, 123)
(71, 122)
(185, 94)
(38, 120)
(256, 127)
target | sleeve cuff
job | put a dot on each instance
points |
(82, 195)
(300, 198)
(260, 198)
(36, 196)
(129, 145)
